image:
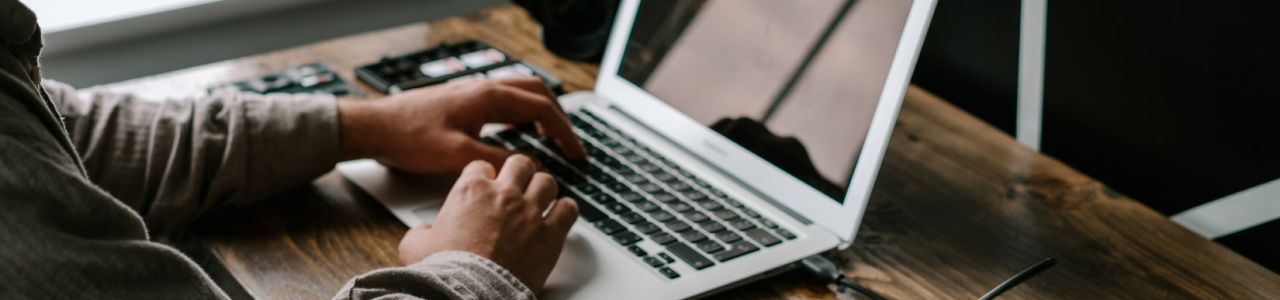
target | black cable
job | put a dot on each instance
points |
(823, 267)
(1019, 278)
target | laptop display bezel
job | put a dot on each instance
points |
(746, 167)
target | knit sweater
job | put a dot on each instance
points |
(90, 185)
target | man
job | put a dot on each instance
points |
(87, 185)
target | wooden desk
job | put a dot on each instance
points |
(959, 206)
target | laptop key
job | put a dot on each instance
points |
(767, 223)
(666, 257)
(733, 202)
(636, 179)
(590, 212)
(750, 213)
(742, 224)
(763, 237)
(671, 274)
(617, 208)
(664, 177)
(728, 237)
(632, 197)
(627, 238)
(696, 217)
(786, 234)
(690, 256)
(647, 228)
(661, 216)
(646, 206)
(632, 218)
(650, 188)
(725, 214)
(637, 250)
(680, 186)
(735, 250)
(603, 199)
(680, 207)
(664, 197)
(712, 226)
(653, 261)
(693, 236)
(663, 238)
(677, 226)
(710, 205)
(709, 246)
(609, 226)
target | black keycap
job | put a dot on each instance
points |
(603, 199)
(728, 237)
(725, 214)
(636, 179)
(627, 238)
(661, 215)
(677, 226)
(590, 212)
(490, 140)
(572, 178)
(650, 188)
(618, 187)
(653, 261)
(763, 237)
(695, 196)
(767, 223)
(617, 208)
(647, 228)
(690, 256)
(693, 236)
(710, 205)
(709, 246)
(750, 213)
(637, 251)
(707, 186)
(623, 150)
(646, 206)
(635, 159)
(696, 217)
(509, 134)
(742, 224)
(610, 227)
(632, 197)
(786, 234)
(735, 250)
(664, 177)
(650, 168)
(666, 257)
(632, 218)
(718, 193)
(664, 197)
(590, 190)
(734, 202)
(711, 226)
(671, 274)
(663, 238)
(680, 186)
(680, 207)
(624, 171)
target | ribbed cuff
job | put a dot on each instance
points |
(483, 269)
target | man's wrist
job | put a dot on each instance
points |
(357, 124)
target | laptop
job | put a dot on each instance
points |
(672, 208)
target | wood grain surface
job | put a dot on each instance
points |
(959, 206)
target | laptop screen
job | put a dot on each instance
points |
(795, 82)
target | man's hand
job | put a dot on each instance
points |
(434, 129)
(499, 217)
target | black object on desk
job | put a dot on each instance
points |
(445, 63)
(313, 78)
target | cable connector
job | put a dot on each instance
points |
(826, 269)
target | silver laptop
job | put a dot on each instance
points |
(672, 208)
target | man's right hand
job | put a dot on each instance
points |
(498, 215)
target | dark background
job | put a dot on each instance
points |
(1173, 103)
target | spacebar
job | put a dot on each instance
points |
(690, 256)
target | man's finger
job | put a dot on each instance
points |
(524, 106)
(542, 189)
(478, 168)
(476, 149)
(562, 215)
(517, 171)
(532, 84)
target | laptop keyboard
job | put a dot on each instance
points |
(632, 194)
